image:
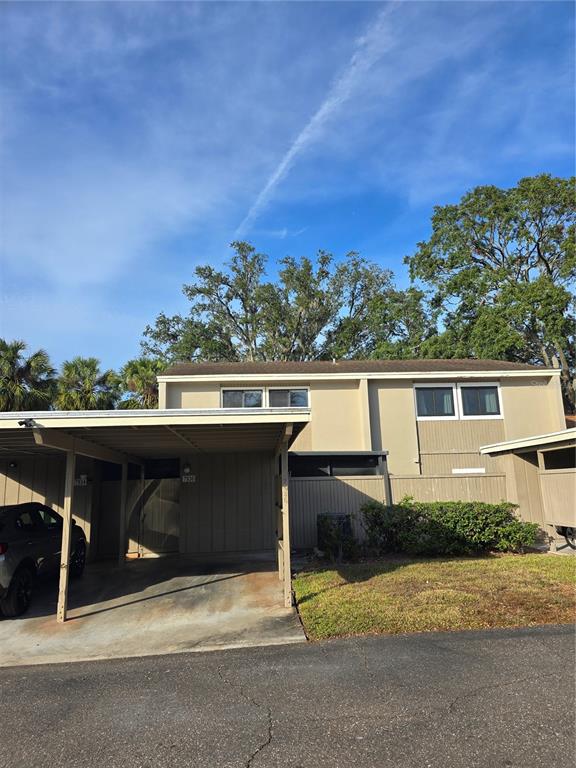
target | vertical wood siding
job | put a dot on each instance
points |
(459, 435)
(38, 478)
(524, 468)
(310, 496)
(559, 496)
(41, 479)
(489, 488)
(446, 445)
(230, 507)
(444, 463)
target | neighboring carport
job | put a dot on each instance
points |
(134, 437)
(544, 476)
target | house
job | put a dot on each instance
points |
(240, 457)
(386, 429)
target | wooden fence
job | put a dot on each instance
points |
(490, 488)
(559, 496)
(310, 496)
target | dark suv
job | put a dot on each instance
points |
(30, 546)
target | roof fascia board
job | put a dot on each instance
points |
(528, 442)
(220, 377)
(175, 417)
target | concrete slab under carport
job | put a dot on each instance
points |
(154, 606)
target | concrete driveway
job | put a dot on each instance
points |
(153, 606)
(494, 699)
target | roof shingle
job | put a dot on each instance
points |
(346, 366)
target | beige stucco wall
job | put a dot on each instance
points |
(393, 425)
(531, 407)
(340, 419)
(336, 423)
(190, 395)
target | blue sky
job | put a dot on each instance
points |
(140, 139)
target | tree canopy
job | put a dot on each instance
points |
(138, 381)
(500, 267)
(26, 381)
(316, 308)
(82, 386)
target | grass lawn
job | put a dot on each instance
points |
(396, 594)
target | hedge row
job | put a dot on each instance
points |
(445, 528)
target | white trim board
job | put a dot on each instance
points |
(529, 442)
(135, 418)
(412, 376)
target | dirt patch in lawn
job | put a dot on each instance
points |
(415, 595)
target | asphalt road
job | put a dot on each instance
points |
(497, 698)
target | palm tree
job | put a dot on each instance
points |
(138, 379)
(26, 382)
(82, 386)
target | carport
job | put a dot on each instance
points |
(210, 442)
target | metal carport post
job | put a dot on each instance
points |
(72, 446)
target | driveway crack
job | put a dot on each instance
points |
(493, 687)
(253, 702)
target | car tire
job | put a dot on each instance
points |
(78, 559)
(570, 536)
(19, 595)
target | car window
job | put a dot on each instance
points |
(51, 520)
(28, 520)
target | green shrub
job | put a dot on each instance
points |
(445, 528)
(335, 537)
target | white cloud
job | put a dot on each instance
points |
(368, 49)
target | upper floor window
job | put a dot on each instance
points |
(288, 398)
(242, 398)
(479, 400)
(458, 401)
(266, 397)
(435, 402)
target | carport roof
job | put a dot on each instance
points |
(148, 434)
(534, 441)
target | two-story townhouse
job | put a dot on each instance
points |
(421, 422)
(241, 457)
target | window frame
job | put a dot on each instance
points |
(457, 387)
(37, 527)
(332, 457)
(546, 451)
(478, 385)
(437, 385)
(265, 396)
(58, 519)
(243, 389)
(288, 389)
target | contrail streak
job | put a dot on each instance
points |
(369, 48)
